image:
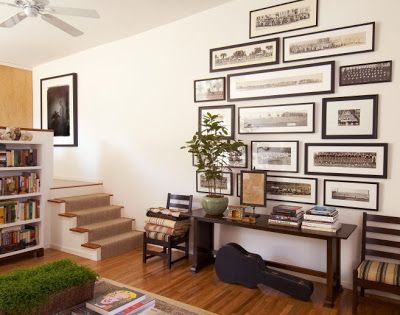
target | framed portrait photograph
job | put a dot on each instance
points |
(354, 195)
(373, 72)
(310, 79)
(289, 118)
(275, 156)
(237, 159)
(292, 189)
(347, 159)
(224, 186)
(353, 117)
(334, 42)
(253, 54)
(253, 188)
(209, 90)
(238, 184)
(226, 114)
(285, 17)
(59, 108)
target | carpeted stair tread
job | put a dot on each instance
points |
(118, 237)
(99, 214)
(119, 244)
(108, 228)
(77, 203)
(94, 226)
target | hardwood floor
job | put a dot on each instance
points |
(204, 290)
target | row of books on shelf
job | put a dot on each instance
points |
(18, 157)
(18, 237)
(26, 183)
(13, 211)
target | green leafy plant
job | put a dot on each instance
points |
(211, 148)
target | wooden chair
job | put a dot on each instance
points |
(176, 202)
(378, 274)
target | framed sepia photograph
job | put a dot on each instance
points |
(289, 118)
(373, 72)
(253, 54)
(224, 186)
(237, 159)
(353, 195)
(292, 189)
(347, 159)
(285, 17)
(334, 42)
(238, 184)
(275, 156)
(253, 188)
(310, 79)
(353, 117)
(209, 90)
(226, 113)
(59, 108)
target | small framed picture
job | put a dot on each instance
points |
(292, 189)
(275, 156)
(226, 113)
(224, 186)
(238, 184)
(374, 72)
(237, 159)
(353, 195)
(253, 188)
(353, 117)
(209, 90)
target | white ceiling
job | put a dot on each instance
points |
(33, 41)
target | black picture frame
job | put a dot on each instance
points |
(376, 204)
(238, 184)
(195, 88)
(374, 111)
(387, 77)
(230, 180)
(246, 156)
(213, 51)
(206, 109)
(285, 39)
(262, 190)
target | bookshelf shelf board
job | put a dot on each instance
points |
(2, 226)
(6, 197)
(22, 168)
(28, 249)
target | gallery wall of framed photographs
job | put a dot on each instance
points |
(324, 148)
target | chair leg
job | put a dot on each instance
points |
(355, 293)
(362, 291)
(144, 248)
(169, 254)
(187, 248)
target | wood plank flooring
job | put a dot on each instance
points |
(204, 290)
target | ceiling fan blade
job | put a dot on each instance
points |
(73, 11)
(55, 21)
(9, 4)
(14, 20)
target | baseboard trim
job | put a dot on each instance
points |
(92, 256)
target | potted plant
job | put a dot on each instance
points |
(211, 148)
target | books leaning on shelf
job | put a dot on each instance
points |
(23, 184)
(13, 211)
(18, 237)
(18, 157)
(286, 216)
(321, 218)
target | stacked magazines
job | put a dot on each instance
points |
(321, 218)
(286, 216)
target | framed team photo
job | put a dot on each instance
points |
(373, 72)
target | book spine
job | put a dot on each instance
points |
(312, 217)
(282, 222)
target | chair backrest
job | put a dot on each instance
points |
(182, 203)
(387, 227)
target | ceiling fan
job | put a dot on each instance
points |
(34, 8)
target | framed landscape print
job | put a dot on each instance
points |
(209, 90)
(290, 16)
(292, 189)
(253, 188)
(59, 108)
(237, 159)
(354, 195)
(253, 54)
(275, 156)
(224, 186)
(354, 117)
(289, 118)
(311, 79)
(347, 159)
(334, 42)
(226, 113)
(374, 72)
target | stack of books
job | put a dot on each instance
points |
(286, 216)
(320, 218)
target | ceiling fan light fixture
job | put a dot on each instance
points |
(31, 11)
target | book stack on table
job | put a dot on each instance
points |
(321, 218)
(286, 216)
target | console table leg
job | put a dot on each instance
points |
(338, 273)
(330, 259)
(203, 244)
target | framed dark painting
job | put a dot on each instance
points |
(253, 188)
(209, 90)
(59, 108)
(373, 72)
(226, 114)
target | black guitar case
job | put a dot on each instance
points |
(234, 264)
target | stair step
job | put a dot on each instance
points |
(79, 230)
(99, 214)
(108, 228)
(91, 245)
(77, 203)
(67, 215)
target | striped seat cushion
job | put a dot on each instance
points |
(377, 271)
(157, 236)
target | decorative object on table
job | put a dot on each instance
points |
(224, 114)
(210, 147)
(285, 17)
(320, 218)
(373, 72)
(209, 90)
(59, 108)
(353, 195)
(350, 117)
(334, 42)
(236, 212)
(233, 264)
(347, 159)
(310, 79)
(46, 289)
(11, 134)
(292, 189)
(253, 54)
(253, 191)
(26, 136)
(289, 118)
(284, 215)
(275, 156)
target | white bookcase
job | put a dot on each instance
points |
(42, 141)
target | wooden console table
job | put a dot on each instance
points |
(203, 247)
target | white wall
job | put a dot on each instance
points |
(136, 109)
